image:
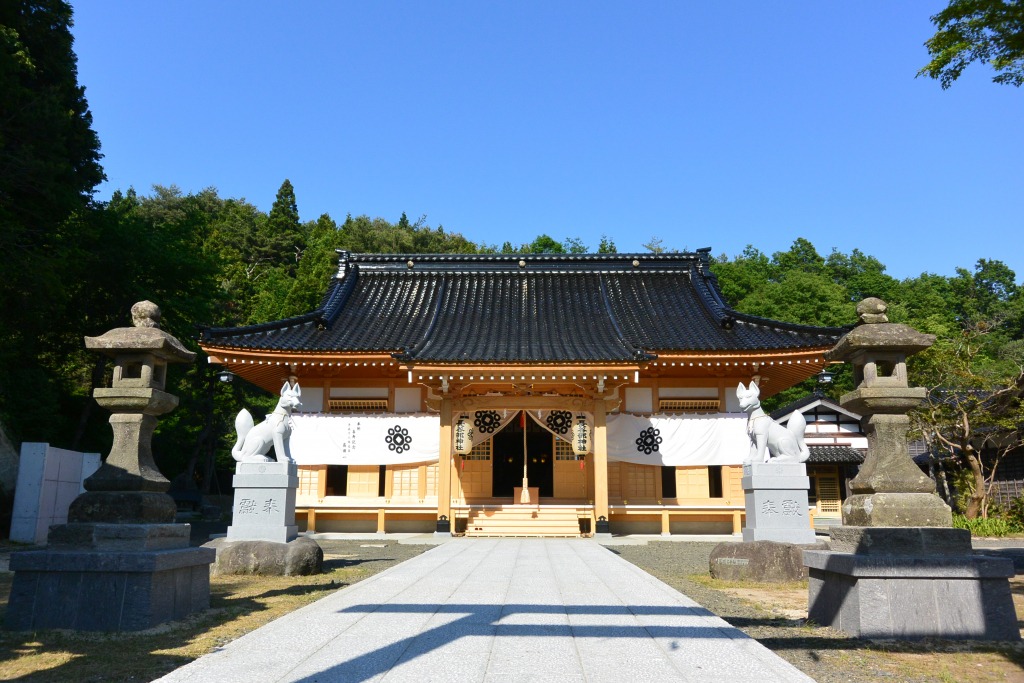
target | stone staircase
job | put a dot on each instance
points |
(523, 520)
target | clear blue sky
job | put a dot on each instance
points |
(715, 124)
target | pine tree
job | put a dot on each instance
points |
(282, 237)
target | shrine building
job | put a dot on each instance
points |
(521, 394)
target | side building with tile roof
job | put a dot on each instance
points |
(838, 445)
(434, 386)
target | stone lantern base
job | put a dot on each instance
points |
(904, 583)
(109, 577)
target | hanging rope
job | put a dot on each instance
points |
(524, 498)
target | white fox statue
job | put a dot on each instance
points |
(770, 441)
(254, 442)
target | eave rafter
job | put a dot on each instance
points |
(268, 368)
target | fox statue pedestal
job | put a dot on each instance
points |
(263, 538)
(776, 503)
(264, 502)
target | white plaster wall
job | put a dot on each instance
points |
(732, 404)
(312, 399)
(639, 400)
(408, 400)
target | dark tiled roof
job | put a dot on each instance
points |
(834, 454)
(457, 308)
(807, 400)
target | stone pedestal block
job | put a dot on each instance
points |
(912, 596)
(264, 502)
(776, 503)
(896, 509)
(109, 577)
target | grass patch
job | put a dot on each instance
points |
(721, 584)
(238, 605)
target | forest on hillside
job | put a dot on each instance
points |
(73, 266)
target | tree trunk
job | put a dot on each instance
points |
(976, 503)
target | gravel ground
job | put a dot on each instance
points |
(826, 655)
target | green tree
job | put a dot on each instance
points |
(574, 245)
(973, 411)
(281, 236)
(607, 246)
(654, 245)
(986, 31)
(49, 166)
(543, 244)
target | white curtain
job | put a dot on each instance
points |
(365, 439)
(486, 423)
(678, 440)
(561, 422)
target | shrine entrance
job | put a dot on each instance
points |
(507, 458)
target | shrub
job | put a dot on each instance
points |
(987, 526)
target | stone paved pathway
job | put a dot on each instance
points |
(497, 610)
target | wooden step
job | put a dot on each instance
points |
(523, 521)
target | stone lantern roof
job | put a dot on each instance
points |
(145, 337)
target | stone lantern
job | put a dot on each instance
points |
(128, 487)
(120, 563)
(890, 490)
(896, 568)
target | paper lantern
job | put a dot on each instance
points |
(580, 436)
(463, 435)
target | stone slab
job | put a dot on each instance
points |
(499, 609)
(904, 597)
(120, 537)
(775, 469)
(107, 591)
(101, 561)
(796, 536)
(272, 533)
(890, 541)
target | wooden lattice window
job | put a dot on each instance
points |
(431, 477)
(640, 481)
(309, 480)
(358, 405)
(481, 451)
(688, 405)
(563, 450)
(828, 494)
(406, 480)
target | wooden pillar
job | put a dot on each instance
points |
(600, 469)
(444, 470)
(666, 529)
(737, 522)
(380, 521)
(311, 520)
